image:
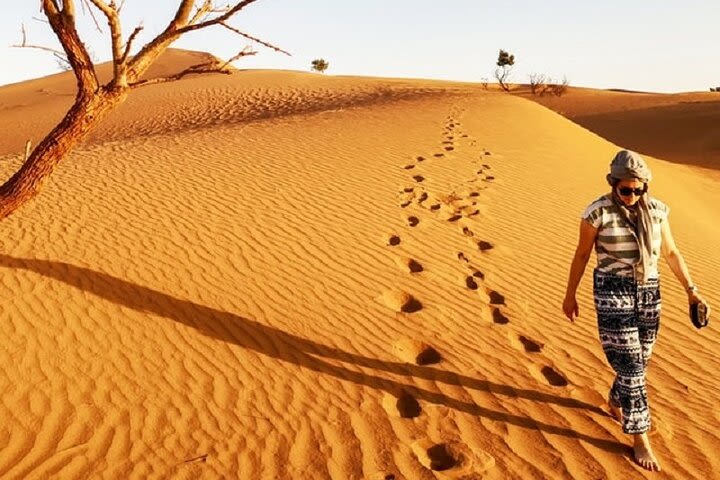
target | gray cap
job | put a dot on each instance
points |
(628, 165)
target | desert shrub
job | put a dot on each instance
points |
(560, 89)
(319, 65)
(505, 62)
(537, 82)
(542, 85)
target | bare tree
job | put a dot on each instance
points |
(94, 101)
(560, 88)
(537, 80)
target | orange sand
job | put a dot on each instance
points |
(256, 276)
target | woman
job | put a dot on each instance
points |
(629, 230)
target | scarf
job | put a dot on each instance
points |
(628, 165)
(642, 226)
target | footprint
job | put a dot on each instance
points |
(416, 352)
(461, 256)
(408, 189)
(413, 221)
(471, 283)
(405, 204)
(486, 166)
(418, 178)
(454, 218)
(438, 155)
(464, 135)
(449, 149)
(394, 240)
(403, 405)
(423, 197)
(474, 194)
(485, 246)
(487, 153)
(478, 274)
(401, 301)
(420, 159)
(530, 345)
(467, 232)
(553, 377)
(435, 206)
(499, 317)
(489, 178)
(409, 167)
(440, 457)
(496, 298)
(409, 264)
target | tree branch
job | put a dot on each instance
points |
(86, 5)
(68, 10)
(202, 11)
(140, 62)
(206, 67)
(63, 24)
(57, 53)
(277, 49)
(215, 21)
(113, 19)
(180, 24)
(128, 44)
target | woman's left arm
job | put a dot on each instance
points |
(677, 263)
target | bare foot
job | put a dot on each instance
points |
(644, 455)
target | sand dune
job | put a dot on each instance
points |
(284, 275)
(683, 127)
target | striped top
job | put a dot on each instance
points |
(616, 245)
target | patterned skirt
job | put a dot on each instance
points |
(628, 314)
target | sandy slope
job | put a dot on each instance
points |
(683, 127)
(220, 301)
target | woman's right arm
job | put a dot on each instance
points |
(584, 249)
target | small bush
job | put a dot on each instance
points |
(560, 89)
(319, 65)
(537, 82)
(542, 85)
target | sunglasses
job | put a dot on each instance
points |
(626, 191)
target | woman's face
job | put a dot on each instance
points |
(630, 191)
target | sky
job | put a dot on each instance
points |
(659, 46)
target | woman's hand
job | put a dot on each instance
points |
(570, 307)
(693, 298)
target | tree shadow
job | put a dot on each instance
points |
(270, 341)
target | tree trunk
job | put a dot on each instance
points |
(87, 111)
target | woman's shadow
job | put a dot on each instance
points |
(267, 340)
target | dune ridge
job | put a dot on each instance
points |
(680, 127)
